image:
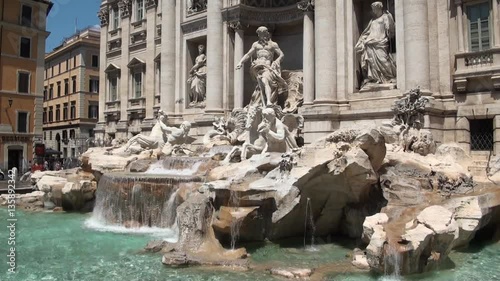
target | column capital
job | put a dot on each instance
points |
(306, 5)
(103, 15)
(125, 8)
(235, 25)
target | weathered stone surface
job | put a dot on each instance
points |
(373, 144)
(139, 166)
(292, 272)
(370, 223)
(76, 195)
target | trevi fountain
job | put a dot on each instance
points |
(257, 198)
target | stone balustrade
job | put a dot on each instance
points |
(472, 65)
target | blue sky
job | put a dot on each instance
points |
(61, 20)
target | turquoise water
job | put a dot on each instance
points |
(61, 246)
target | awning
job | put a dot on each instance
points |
(50, 151)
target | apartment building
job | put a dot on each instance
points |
(22, 49)
(71, 93)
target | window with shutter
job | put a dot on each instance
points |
(479, 26)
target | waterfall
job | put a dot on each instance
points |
(309, 221)
(178, 166)
(169, 212)
(138, 203)
(234, 201)
(392, 263)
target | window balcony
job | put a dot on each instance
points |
(112, 106)
(477, 65)
(136, 104)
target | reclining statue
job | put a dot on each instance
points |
(155, 139)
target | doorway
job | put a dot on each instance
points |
(15, 157)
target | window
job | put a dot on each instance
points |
(139, 10)
(26, 15)
(137, 85)
(479, 26)
(51, 117)
(93, 111)
(73, 152)
(74, 62)
(66, 86)
(113, 88)
(58, 89)
(44, 118)
(73, 110)
(94, 85)
(65, 152)
(22, 122)
(44, 135)
(58, 112)
(25, 47)
(23, 82)
(95, 61)
(45, 93)
(481, 134)
(73, 79)
(116, 18)
(65, 111)
(50, 135)
(51, 91)
(72, 134)
(65, 134)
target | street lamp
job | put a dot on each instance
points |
(10, 102)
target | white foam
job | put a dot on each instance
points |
(167, 234)
(158, 169)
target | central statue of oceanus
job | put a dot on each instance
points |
(265, 69)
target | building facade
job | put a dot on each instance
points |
(22, 48)
(71, 93)
(354, 58)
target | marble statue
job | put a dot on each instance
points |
(265, 69)
(230, 131)
(197, 79)
(377, 64)
(266, 132)
(154, 140)
(176, 137)
(276, 134)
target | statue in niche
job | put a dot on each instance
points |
(194, 6)
(197, 79)
(265, 70)
(377, 64)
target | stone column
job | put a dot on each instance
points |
(417, 65)
(326, 52)
(239, 52)
(460, 26)
(214, 57)
(103, 15)
(150, 63)
(125, 10)
(308, 51)
(168, 56)
(496, 22)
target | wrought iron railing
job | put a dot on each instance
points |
(481, 135)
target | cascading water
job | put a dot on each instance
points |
(177, 166)
(392, 263)
(169, 212)
(234, 201)
(309, 222)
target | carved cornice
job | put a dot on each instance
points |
(125, 8)
(195, 25)
(103, 15)
(306, 5)
(262, 16)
